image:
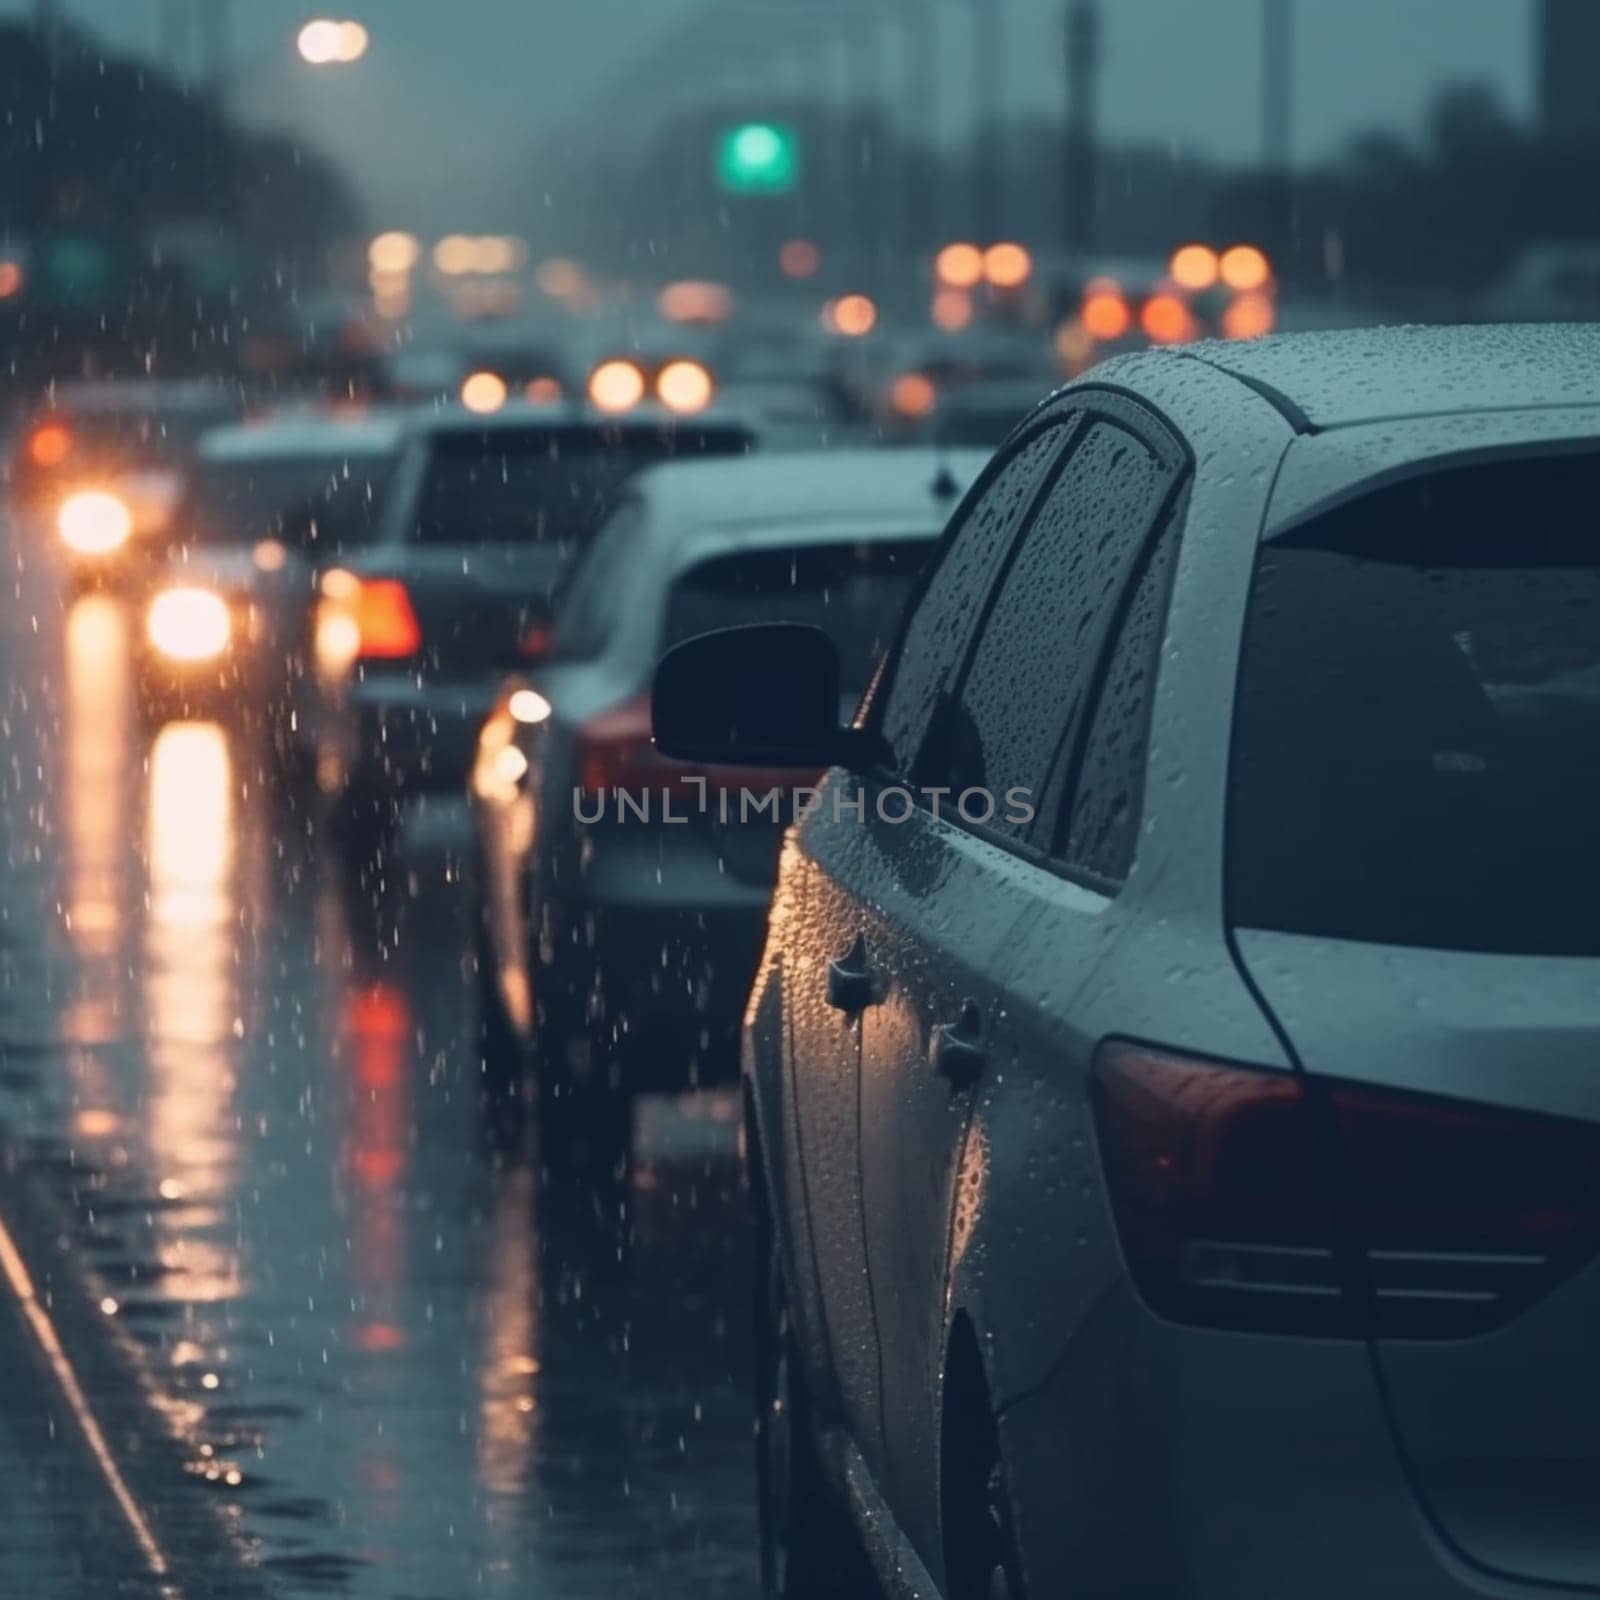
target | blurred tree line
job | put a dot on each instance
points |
(1445, 215)
(149, 225)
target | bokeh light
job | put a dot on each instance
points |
(1245, 268)
(1007, 266)
(483, 392)
(1193, 267)
(616, 386)
(799, 258)
(959, 266)
(1105, 311)
(684, 386)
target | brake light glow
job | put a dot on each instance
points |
(684, 387)
(49, 445)
(617, 754)
(616, 386)
(386, 621)
(1166, 319)
(1273, 1201)
(363, 619)
(1105, 313)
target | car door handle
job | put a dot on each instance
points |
(850, 979)
(958, 1049)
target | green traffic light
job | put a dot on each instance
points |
(758, 158)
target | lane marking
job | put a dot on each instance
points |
(44, 1332)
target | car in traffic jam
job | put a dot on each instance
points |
(799, 800)
(618, 950)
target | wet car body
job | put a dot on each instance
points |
(623, 900)
(127, 439)
(266, 507)
(1051, 1119)
(485, 515)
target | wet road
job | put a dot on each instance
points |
(395, 1364)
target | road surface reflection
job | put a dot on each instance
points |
(405, 1366)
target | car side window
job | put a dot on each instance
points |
(1097, 832)
(1030, 671)
(588, 609)
(941, 622)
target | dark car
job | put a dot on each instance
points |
(101, 466)
(623, 898)
(1173, 1115)
(416, 632)
(228, 614)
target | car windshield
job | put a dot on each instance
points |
(543, 485)
(311, 498)
(853, 592)
(1417, 738)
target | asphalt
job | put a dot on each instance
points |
(334, 1332)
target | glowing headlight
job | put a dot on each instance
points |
(189, 624)
(93, 522)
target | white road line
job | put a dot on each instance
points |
(44, 1331)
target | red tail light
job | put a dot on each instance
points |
(49, 445)
(616, 751)
(386, 620)
(1269, 1200)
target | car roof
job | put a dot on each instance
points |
(517, 416)
(746, 494)
(1341, 377)
(276, 438)
(149, 396)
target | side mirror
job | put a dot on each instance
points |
(766, 695)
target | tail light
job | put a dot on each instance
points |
(49, 445)
(387, 623)
(1105, 311)
(1167, 319)
(363, 619)
(1276, 1202)
(616, 751)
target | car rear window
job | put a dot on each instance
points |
(238, 502)
(854, 592)
(1417, 734)
(544, 485)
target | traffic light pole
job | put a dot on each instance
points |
(988, 104)
(1080, 153)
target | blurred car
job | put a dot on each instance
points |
(1548, 282)
(618, 939)
(102, 465)
(793, 413)
(414, 634)
(1107, 307)
(265, 507)
(983, 415)
(928, 369)
(1175, 1151)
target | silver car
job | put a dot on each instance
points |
(1172, 1072)
(624, 898)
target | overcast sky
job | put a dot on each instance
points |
(454, 93)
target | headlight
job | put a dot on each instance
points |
(93, 522)
(189, 624)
